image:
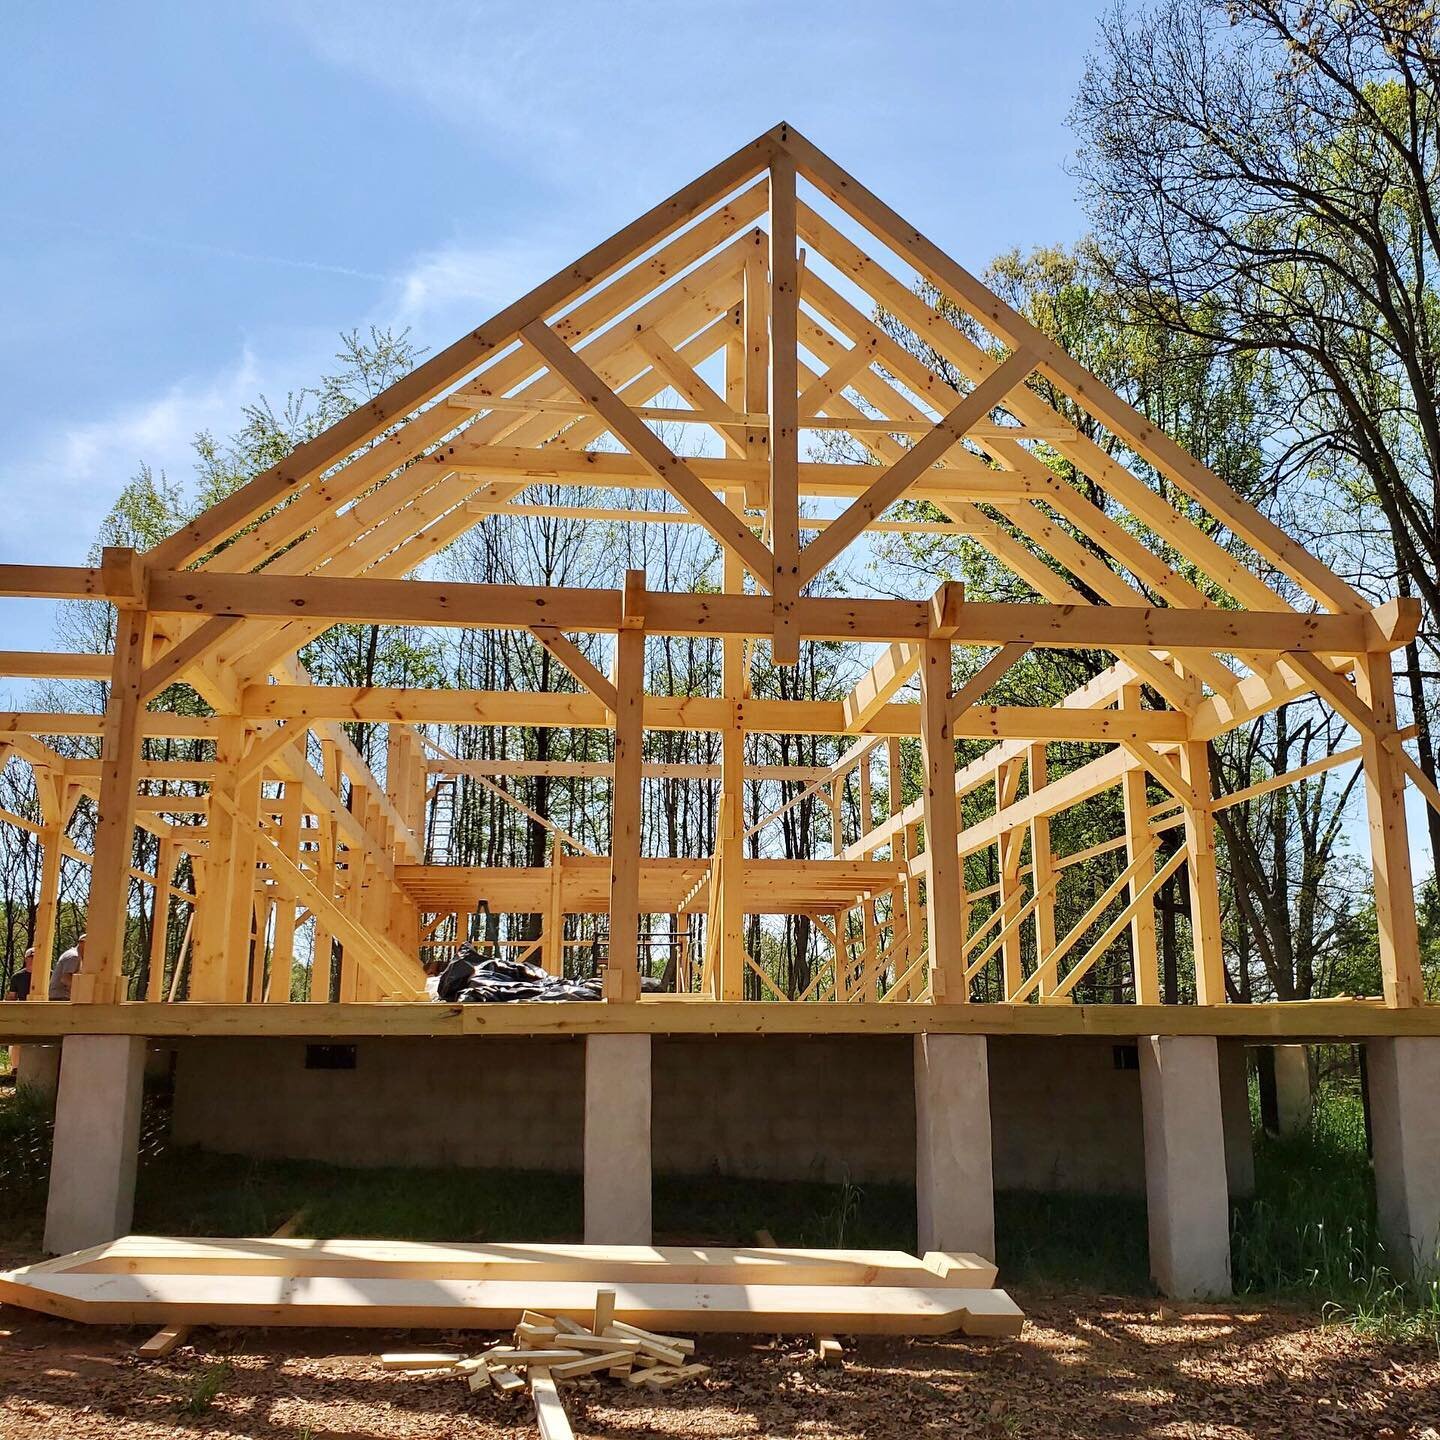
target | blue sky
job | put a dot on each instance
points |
(198, 198)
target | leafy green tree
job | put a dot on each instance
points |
(1264, 177)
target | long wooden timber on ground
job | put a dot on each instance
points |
(1313, 1020)
(156, 1280)
(499, 1304)
(595, 1264)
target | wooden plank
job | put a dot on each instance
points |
(944, 883)
(1389, 836)
(100, 977)
(1140, 841)
(784, 499)
(497, 1305)
(1200, 869)
(665, 712)
(878, 684)
(575, 661)
(550, 1415)
(622, 968)
(400, 602)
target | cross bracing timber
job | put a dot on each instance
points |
(705, 316)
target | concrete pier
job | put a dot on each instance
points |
(1403, 1074)
(97, 1141)
(1235, 1115)
(617, 1140)
(1186, 1190)
(37, 1069)
(1293, 1101)
(954, 1172)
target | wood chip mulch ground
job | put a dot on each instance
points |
(1087, 1365)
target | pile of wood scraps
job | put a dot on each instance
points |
(550, 1349)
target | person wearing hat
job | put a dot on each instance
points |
(22, 979)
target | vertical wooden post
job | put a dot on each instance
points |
(1042, 873)
(730, 839)
(47, 909)
(101, 978)
(867, 802)
(753, 392)
(942, 860)
(1010, 844)
(682, 953)
(784, 408)
(160, 919)
(282, 952)
(207, 959)
(622, 976)
(1389, 838)
(553, 950)
(1140, 840)
(1204, 885)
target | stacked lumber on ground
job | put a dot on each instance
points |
(552, 1348)
(148, 1280)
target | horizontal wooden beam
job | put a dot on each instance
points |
(55, 665)
(666, 712)
(603, 769)
(433, 602)
(659, 1015)
(157, 723)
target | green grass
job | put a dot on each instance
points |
(204, 1388)
(1309, 1232)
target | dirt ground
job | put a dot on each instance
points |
(1086, 1365)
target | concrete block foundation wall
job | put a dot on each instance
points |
(502, 1104)
(1064, 1114)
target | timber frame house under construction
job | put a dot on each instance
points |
(726, 278)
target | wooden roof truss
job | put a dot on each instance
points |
(741, 311)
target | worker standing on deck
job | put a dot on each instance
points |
(62, 973)
(22, 979)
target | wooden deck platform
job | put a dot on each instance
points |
(678, 1015)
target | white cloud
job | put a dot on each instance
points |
(455, 286)
(78, 472)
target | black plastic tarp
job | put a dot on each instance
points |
(474, 978)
